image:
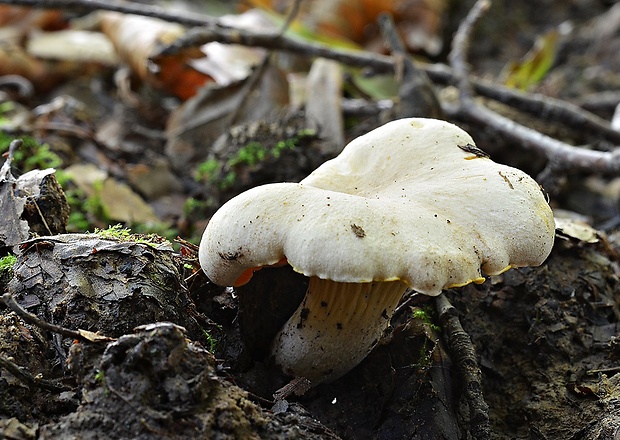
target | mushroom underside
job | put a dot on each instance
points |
(335, 327)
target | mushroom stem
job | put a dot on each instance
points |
(335, 327)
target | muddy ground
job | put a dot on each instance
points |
(186, 357)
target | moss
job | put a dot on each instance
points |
(7, 262)
(426, 315)
(31, 155)
(120, 233)
(6, 270)
(207, 170)
(223, 174)
(250, 154)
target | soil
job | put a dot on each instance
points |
(184, 358)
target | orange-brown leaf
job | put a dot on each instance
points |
(137, 38)
(179, 78)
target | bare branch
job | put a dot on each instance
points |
(273, 40)
(562, 155)
(188, 19)
(460, 48)
(35, 320)
(549, 109)
(416, 95)
(559, 154)
(28, 378)
(464, 354)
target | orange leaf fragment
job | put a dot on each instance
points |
(137, 38)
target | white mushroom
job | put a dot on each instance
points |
(411, 204)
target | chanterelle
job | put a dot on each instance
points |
(411, 204)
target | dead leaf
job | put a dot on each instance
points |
(85, 176)
(137, 38)
(23, 202)
(15, 61)
(13, 229)
(94, 336)
(14, 429)
(229, 63)
(577, 230)
(73, 45)
(196, 124)
(534, 66)
(155, 180)
(27, 19)
(324, 101)
(120, 203)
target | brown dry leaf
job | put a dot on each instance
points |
(119, 202)
(43, 74)
(15, 61)
(15, 24)
(137, 38)
(154, 180)
(195, 125)
(12, 428)
(228, 63)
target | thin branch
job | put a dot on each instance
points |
(416, 95)
(254, 79)
(24, 87)
(28, 378)
(208, 30)
(464, 354)
(35, 320)
(184, 18)
(460, 48)
(544, 107)
(560, 154)
(290, 18)
(549, 109)
(273, 40)
(577, 117)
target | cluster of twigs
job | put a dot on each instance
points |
(560, 155)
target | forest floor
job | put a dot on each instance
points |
(119, 334)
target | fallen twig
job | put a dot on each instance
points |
(562, 156)
(23, 375)
(82, 335)
(464, 354)
(185, 18)
(274, 40)
(416, 95)
(549, 109)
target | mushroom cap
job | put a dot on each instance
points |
(412, 200)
